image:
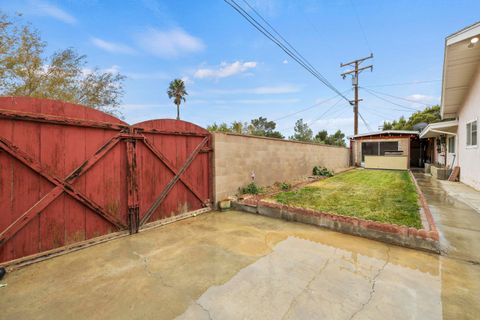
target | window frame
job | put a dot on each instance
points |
(454, 142)
(470, 135)
(378, 148)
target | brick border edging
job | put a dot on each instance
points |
(432, 228)
(399, 235)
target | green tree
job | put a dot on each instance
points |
(428, 115)
(302, 132)
(177, 92)
(222, 127)
(25, 70)
(257, 127)
(336, 139)
(321, 136)
(262, 127)
(387, 125)
(240, 127)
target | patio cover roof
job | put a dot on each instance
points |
(440, 128)
(461, 62)
(385, 133)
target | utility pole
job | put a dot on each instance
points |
(355, 72)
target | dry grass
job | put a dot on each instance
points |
(378, 195)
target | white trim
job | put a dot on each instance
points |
(471, 146)
(459, 36)
(444, 132)
(463, 34)
(377, 133)
(433, 127)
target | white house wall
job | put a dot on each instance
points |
(469, 157)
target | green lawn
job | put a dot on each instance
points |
(378, 195)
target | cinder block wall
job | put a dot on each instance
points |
(272, 160)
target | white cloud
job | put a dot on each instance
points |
(423, 98)
(280, 89)
(138, 107)
(266, 101)
(169, 43)
(225, 70)
(50, 10)
(275, 89)
(111, 46)
(285, 61)
(333, 124)
(187, 80)
(113, 69)
(268, 7)
(147, 75)
(246, 101)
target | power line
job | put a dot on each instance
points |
(401, 83)
(323, 114)
(278, 34)
(298, 58)
(384, 116)
(361, 26)
(365, 122)
(401, 98)
(390, 101)
(318, 118)
(355, 73)
(310, 107)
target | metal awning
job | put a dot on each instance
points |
(440, 128)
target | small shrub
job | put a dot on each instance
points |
(322, 171)
(251, 188)
(285, 186)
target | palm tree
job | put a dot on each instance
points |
(177, 91)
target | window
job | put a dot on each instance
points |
(378, 148)
(472, 133)
(451, 145)
(386, 146)
(369, 149)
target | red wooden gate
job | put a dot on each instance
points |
(69, 173)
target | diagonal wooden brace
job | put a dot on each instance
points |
(172, 168)
(172, 183)
(60, 187)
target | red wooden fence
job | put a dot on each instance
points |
(69, 173)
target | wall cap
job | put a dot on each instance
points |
(277, 139)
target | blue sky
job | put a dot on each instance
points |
(233, 72)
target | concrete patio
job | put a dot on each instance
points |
(236, 265)
(462, 192)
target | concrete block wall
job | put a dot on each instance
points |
(272, 160)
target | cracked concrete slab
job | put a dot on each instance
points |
(302, 279)
(237, 265)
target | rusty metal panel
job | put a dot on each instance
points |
(69, 173)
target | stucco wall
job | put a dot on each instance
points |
(272, 160)
(386, 162)
(469, 157)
